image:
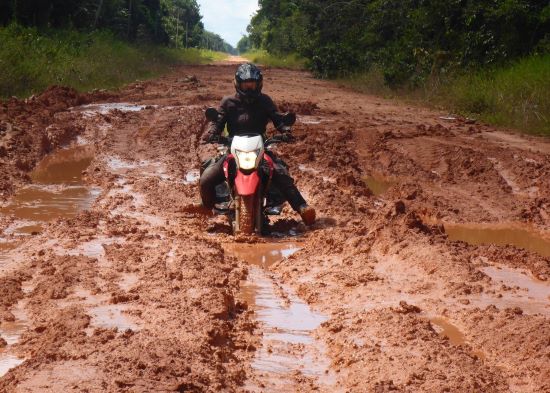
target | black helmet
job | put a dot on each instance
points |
(248, 72)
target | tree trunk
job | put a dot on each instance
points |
(177, 28)
(130, 6)
(98, 13)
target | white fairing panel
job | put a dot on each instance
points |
(248, 143)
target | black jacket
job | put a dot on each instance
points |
(245, 118)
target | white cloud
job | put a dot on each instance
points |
(227, 18)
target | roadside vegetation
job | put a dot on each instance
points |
(31, 61)
(99, 44)
(290, 61)
(485, 58)
(516, 95)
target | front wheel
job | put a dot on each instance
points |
(244, 214)
(249, 216)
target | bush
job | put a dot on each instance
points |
(31, 61)
(291, 61)
(517, 95)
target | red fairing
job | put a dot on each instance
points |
(229, 157)
(247, 184)
(269, 161)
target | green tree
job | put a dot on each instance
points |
(409, 39)
(244, 44)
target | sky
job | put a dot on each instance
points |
(227, 18)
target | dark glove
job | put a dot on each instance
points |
(210, 138)
(287, 137)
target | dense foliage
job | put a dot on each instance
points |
(174, 22)
(244, 44)
(31, 60)
(408, 39)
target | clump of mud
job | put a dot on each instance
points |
(300, 108)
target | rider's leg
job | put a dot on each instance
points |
(285, 183)
(210, 178)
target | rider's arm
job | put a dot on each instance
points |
(215, 128)
(275, 116)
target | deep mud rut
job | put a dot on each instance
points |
(428, 269)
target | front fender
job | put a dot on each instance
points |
(247, 184)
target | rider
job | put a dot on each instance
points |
(248, 111)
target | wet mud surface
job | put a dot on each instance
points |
(427, 271)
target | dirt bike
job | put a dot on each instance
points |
(247, 196)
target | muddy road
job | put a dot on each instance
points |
(428, 269)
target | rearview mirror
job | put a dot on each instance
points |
(212, 114)
(289, 118)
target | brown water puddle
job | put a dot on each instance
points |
(128, 281)
(7, 362)
(191, 177)
(146, 168)
(378, 185)
(532, 296)
(453, 333)
(64, 166)
(103, 314)
(261, 254)
(11, 332)
(112, 316)
(57, 191)
(517, 278)
(6, 246)
(93, 109)
(287, 323)
(501, 236)
(528, 293)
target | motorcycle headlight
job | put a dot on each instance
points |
(247, 159)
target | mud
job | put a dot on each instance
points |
(453, 333)
(378, 185)
(502, 236)
(136, 290)
(288, 355)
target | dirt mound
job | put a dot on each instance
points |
(300, 108)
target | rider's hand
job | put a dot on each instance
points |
(210, 138)
(287, 137)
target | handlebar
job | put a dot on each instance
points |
(280, 138)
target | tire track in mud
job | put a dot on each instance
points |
(407, 309)
(171, 328)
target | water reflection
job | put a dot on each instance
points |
(501, 236)
(57, 191)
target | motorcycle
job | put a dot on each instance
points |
(247, 196)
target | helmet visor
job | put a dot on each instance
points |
(249, 85)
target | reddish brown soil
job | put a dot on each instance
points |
(31, 128)
(379, 267)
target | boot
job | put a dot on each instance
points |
(308, 214)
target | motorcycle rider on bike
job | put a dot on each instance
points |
(249, 111)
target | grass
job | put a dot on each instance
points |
(291, 61)
(31, 60)
(517, 95)
(209, 56)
